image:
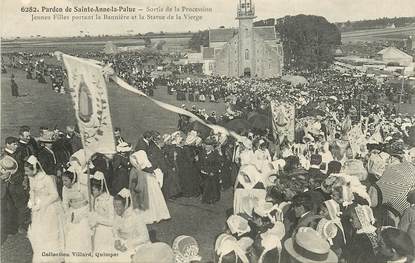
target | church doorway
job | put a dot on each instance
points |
(247, 72)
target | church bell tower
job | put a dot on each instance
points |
(246, 16)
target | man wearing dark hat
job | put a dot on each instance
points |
(212, 118)
(8, 166)
(73, 139)
(27, 144)
(118, 138)
(16, 186)
(46, 155)
(314, 170)
(48, 159)
(143, 142)
(303, 208)
(14, 87)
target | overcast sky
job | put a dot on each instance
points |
(16, 23)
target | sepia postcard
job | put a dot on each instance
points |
(181, 131)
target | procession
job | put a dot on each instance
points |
(246, 150)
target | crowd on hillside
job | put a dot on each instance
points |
(326, 196)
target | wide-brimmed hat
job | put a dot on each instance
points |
(8, 165)
(154, 252)
(47, 137)
(309, 247)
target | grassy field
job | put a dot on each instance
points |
(83, 45)
(378, 34)
(43, 107)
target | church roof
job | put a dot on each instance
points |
(208, 53)
(266, 32)
(393, 52)
(222, 34)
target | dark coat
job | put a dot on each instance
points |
(48, 161)
(210, 165)
(315, 173)
(63, 151)
(156, 157)
(141, 145)
(120, 180)
(75, 142)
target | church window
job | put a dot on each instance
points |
(246, 54)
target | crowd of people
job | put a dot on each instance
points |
(317, 198)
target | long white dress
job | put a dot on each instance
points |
(132, 232)
(103, 236)
(46, 230)
(249, 193)
(77, 230)
(158, 209)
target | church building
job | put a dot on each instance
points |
(247, 51)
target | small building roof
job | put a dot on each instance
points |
(266, 32)
(393, 52)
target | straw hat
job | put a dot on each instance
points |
(309, 247)
(154, 252)
(8, 165)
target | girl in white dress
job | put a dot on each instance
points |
(129, 230)
(152, 206)
(249, 190)
(102, 217)
(75, 204)
(46, 230)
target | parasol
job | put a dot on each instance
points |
(395, 183)
(260, 121)
(238, 125)
(203, 130)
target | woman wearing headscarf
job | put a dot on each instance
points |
(186, 250)
(101, 218)
(210, 172)
(75, 204)
(46, 230)
(330, 209)
(249, 187)
(364, 244)
(171, 186)
(145, 189)
(129, 229)
(121, 166)
(187, 155)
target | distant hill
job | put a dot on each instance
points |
(378, 23)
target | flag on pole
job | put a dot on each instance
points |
(90, 99)
(283, 120)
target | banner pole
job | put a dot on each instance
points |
(90, 199)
